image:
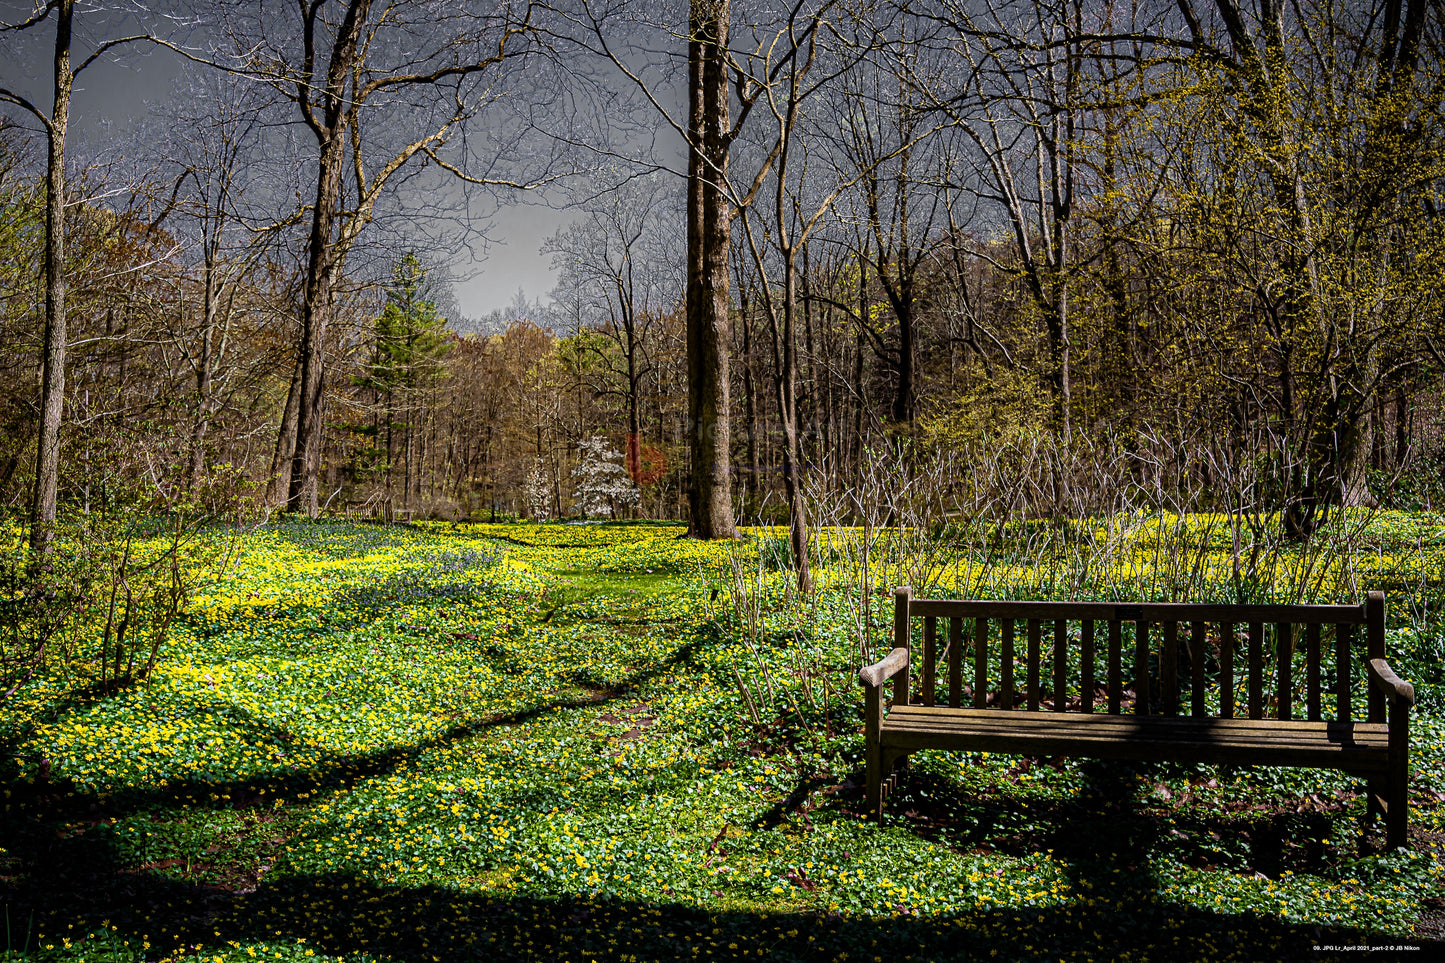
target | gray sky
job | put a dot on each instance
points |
(114, 96)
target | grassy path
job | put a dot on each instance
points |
(439, 745)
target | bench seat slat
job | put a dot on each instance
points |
(1025, 742)
(1333, 739)
(1357, 762)
(1361, 747)
(1018, 717)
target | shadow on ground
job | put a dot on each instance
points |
(55, 875)
(60, 878)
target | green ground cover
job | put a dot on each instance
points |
(528, 742)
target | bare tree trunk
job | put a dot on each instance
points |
(708, 223)
(409, 454)
(1356, 444)
(285, 442)
(751, 483)
(210, 308)
(52, 377)
(387, 504)
(792, 449)
(315, 312)
(1402, 428)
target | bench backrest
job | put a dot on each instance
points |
(1229, 661)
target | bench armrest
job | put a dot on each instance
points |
(879, 672)
(1395, 689)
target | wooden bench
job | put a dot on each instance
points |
(1264, 685)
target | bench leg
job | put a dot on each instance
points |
(1397, 809)
(1388, 797)
(874, 798)
(1374, 799)
(883, 767)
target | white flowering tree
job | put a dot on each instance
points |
(602, 482)
(536, 491)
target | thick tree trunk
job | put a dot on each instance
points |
(903, 397)
(1357, 440)
(1060, 381)
(52, 375)
(710, 498)
(204, 379)
(315, 313)
(285, 443)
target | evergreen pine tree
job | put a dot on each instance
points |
(409, 342)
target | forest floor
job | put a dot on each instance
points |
(528, 742)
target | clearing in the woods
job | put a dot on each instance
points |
(560, 742)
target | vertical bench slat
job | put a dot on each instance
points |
(1196, 671)
(955, 662)
(1169, 670)
(1375, 649)
(1141, 668)
(1226, 670)
(1344, 636)
(1312, 671)
(1086, 665)
(902, 635)
(1061, 665)
(1284, 651)
(1006, 680)
(980, 662)
(1116, 682)
(930, 659)
(1256, 670)
(1033, 667)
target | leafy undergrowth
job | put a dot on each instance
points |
(525, 742)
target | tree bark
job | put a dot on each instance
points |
(315, 313)
(710, 497)
(205, 377)
(752, 483)
(788, 408)
(52, 376)
(285, 442)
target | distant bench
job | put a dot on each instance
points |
(1073, 696)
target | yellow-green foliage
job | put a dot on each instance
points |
(523, 741)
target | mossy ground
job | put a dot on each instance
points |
(525, 742)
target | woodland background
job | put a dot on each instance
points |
(1196, 243)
